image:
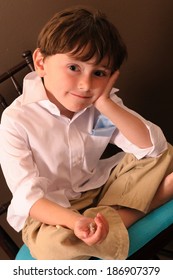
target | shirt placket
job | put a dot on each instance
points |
(76, 152)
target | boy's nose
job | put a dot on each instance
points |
(84, 83)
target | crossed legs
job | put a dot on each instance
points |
(163, 194)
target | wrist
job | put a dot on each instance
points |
(103, 105)
(73, 219)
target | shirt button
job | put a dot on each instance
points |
(79, 160)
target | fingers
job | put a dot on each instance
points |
(102, 219)
(111, 81)
(100, 230)
(102, 223)
(92, 231)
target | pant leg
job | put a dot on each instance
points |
(58, 243)
(133, 183)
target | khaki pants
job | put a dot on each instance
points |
(133, 183)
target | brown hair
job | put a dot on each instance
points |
(84, 34)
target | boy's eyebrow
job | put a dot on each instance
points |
(102, 65)
(106, 67)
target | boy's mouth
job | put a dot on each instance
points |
(80, 96)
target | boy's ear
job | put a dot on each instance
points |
(38, 60)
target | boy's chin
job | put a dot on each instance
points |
(77, 110)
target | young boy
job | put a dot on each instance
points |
(68, 202)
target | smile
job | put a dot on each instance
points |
(80, 96)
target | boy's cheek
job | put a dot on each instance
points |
(97, 96)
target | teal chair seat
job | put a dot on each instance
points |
(141, 233)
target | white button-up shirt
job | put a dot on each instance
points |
(45, 154)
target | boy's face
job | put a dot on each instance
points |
(71, 84)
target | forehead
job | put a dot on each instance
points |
(91, 54)
(84, 55)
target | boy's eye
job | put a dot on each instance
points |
(99, 73)
(74, 68)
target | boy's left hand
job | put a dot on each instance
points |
(92, 231)
(105, 96)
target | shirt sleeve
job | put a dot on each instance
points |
(159, 143)
(20, 172)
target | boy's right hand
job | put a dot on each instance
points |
(91, 231)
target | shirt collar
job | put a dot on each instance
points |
(33, 89)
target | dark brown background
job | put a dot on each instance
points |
(146, 82)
